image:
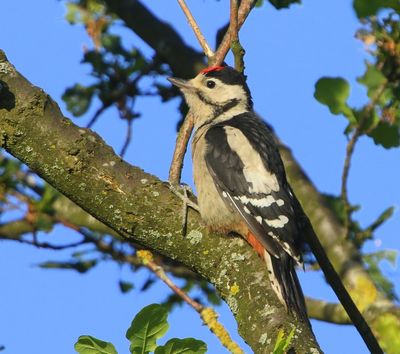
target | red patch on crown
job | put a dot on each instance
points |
(212, 68)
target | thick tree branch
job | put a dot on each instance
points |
(326, 311)
(139, 207)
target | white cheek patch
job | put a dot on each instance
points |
(259, 179)
(221, 92)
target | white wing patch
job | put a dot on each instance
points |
(260, 180)
(276, 286)
(261, 202)
(278, 223)
(287, 248)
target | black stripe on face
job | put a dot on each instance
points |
(218, 109)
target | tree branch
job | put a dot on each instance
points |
(139, 207)
(162, 37)
(326, 311)
(182, 139)
(195, 27)
(208, 315)
(244, 10)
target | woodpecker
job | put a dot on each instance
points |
(242, 188)
(240, 178)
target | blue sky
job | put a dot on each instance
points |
(43, 312)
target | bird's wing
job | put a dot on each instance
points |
(247, 171)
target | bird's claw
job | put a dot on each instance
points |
(187, 203)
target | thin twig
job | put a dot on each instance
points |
(236, 47)
(234, 20)
(196, 29)
(208, 315)
(96, 116)
(359, 130)
(128, 138)
(345, 174)
(46, 245)
(244, 10)
(182, 139)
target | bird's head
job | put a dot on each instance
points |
(215, 92)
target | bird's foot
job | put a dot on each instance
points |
(182, 193)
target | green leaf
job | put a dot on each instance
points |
(112, 43)
(372, 79)
(282, 4)
(78, 99)
(180, 346)
(125, 286)
(386, 135)
(383, 283)
(259, 3)
(148, 325)
(282, 343)
(91, 345)
(73, 13)
(45, 204)
(334, 92)
(383, 217)
(80, 266)
(335, 203)
(365, 8)
(388, 255)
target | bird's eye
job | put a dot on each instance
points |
(210, 84)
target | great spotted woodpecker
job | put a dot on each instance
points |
(240, 178)
(242, 187)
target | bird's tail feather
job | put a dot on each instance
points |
(285, 283)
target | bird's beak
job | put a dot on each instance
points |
(182, 84)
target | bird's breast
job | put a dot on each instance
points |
(215, 212)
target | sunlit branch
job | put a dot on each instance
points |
(326, 311)
(244, 10)
(175, 171)
(196, 29)
(208, 315)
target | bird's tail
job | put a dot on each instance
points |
(285, 283)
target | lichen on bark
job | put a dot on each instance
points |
(141, 208)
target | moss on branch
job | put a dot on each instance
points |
(139, 207)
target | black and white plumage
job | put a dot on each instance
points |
(240, 178)
(242, 187)
(249, 175)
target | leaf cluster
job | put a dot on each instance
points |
(379, 118)
(117, 71)
(148, 326)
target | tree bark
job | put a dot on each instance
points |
(139, 207)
